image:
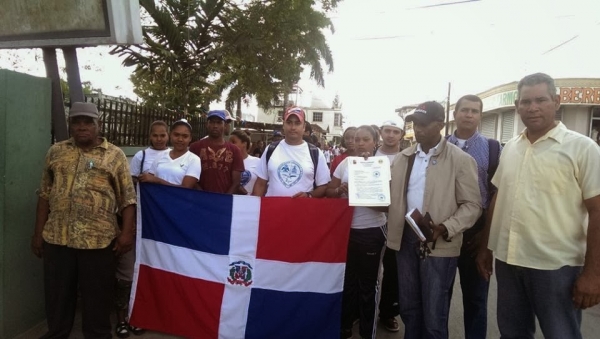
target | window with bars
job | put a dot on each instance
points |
(508, 126)
(488, 126)
(317, 116)
(337, 120)
(280, 115)
(558, 115)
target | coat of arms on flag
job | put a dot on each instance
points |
(221, 266)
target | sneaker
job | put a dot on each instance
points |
(390, 324)
(136, 330)
(122, 330)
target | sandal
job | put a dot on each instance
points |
(136, 330)
(122, 330)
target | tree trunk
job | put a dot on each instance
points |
(238, 111)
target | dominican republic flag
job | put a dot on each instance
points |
(222, 266)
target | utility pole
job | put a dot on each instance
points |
(59, 122)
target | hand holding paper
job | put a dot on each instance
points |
(369, 181)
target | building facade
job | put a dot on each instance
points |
(329, 119)
(579, 110)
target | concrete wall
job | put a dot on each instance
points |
(24, 140)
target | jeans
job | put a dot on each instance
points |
(475, 292)
(424, 290)
(474, 288)
(524, 293)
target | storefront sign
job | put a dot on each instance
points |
(504, 99)
(567, 95)
(579, 95)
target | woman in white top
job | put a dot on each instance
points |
(141, 162)
(179, 167)
(365, 248)
(242, 140)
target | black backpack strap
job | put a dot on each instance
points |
(494, 154)
(314, 156)
(143, 159)
(271, 149)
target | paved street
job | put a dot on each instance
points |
(591, 322)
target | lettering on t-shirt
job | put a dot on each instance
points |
(215, 160)
(289, 173)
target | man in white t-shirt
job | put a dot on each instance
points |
(292, 167)
(392, 132)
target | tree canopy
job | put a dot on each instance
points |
(194, 51)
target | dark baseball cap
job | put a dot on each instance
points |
(427, 113)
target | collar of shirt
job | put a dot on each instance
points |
(454, 140)
(103, 144)
(557, 133)
(432, 151)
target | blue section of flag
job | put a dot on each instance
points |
(197, 220)
(276, 314)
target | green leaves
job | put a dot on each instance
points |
(194, 50)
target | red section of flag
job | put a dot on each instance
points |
(304, 230)
(171, 303)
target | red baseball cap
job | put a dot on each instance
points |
(297, 111)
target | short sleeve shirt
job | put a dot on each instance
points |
(540, 220)
(136, 167)
(291, 170)
(85, 189)
(218, 163)
(249, 174)
(174, 170)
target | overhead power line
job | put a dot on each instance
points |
(564, 42)
(446, 4)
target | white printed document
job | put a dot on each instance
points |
(369, 181)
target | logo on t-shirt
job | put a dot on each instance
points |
(246, 176)
(289, 173)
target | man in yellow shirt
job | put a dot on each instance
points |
(547, 253)
(85, 182)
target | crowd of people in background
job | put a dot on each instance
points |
(533, 204)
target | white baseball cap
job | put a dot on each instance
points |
(395, 123)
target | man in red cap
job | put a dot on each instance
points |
(292, 167)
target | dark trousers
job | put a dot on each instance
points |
(388, 306)
(474, 288)
(527, 293)
(93, 271)
(361, 279)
